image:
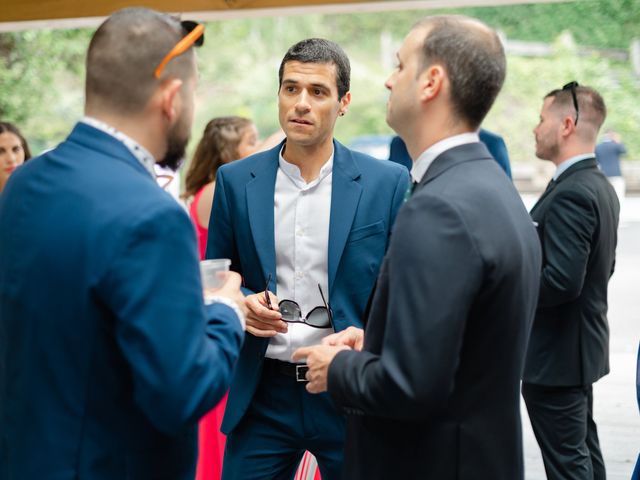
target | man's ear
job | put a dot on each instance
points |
(431, 82)
(170, 99)
(344, 103)
(568, 125)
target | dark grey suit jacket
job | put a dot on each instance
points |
(577, 221)
(435, 392)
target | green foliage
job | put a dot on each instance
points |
(41, 72)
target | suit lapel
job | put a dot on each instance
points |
(345, 196)
(452, 157)
(260, 198)
(581, 165)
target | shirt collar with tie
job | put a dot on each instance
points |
(426, 158)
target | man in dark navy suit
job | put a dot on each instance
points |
(435, 390)
(108, 353)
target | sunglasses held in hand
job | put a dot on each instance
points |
(318, 317)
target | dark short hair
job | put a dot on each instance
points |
(123, 54)
(319, 50)
(590, 103)
(474, 59)
(11, 128)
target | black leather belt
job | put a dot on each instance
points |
(298, 371)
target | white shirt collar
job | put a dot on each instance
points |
(137, 150)
(293, 172)
(426, 158)
(562, 167)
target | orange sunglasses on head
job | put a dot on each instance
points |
(195, 35)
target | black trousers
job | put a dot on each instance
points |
(562, 421)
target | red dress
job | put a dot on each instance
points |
(210, 439)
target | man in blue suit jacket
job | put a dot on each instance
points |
(313, 217)
(108, 354)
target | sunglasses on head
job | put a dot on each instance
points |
(572, 87)
(318, 317)
(193, 35)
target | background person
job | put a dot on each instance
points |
(108, 354)
(305, 214)
(434, 393)
(608, 153)
(577, 222)
(14, 151)
(224, 140)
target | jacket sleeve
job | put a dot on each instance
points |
(180, 352)
(569, 226)
(433, 271)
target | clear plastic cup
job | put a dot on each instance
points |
(212, 272)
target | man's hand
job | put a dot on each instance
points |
(318, 359)
(262, 321)
(230, 289)
(352, 337)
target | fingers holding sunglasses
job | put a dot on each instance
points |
(262, 321)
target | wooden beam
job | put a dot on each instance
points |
(30, 14)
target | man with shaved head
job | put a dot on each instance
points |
(109, 353)
(431, 388)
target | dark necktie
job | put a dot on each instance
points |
(410, 190)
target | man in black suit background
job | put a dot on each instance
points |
(434, 391)
(577, 220)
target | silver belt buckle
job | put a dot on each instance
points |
(301, 373)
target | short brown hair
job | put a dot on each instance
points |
(218, 145)
(473, 56)
(593, 110)
(123, 54)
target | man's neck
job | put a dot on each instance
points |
(308, 158)
(569, 153)
(135, 128)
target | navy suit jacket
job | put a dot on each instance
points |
(108, 355)
(435, 393)
(366, 195)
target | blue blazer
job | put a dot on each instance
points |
(108, 356)
(366, 195)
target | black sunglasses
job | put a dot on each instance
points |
(318, 317)
(572, 86)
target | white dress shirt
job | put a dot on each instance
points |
(426, 158)
(562, 167)
(301, 216)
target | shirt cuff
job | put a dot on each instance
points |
(229, 303)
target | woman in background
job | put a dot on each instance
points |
(224, 140)
(14, 151)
